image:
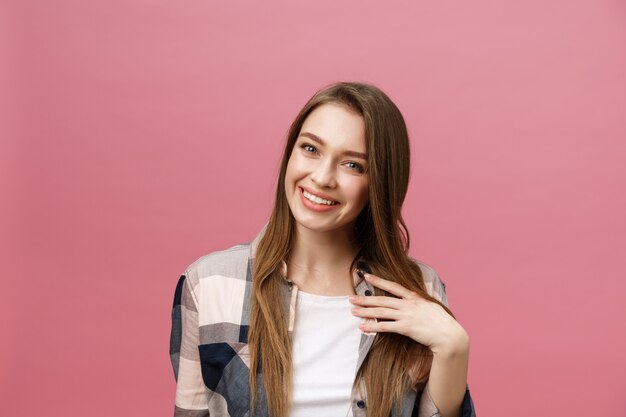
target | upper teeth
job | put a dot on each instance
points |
(316, 199)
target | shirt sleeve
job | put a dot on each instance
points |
(191, 395)
(426, 406)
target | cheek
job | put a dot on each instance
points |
(290, 172)
(360, 193)
(297, 167)
(291, 162)
(293, 174)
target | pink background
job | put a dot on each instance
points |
(140, 135)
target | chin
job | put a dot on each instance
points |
(318, 225)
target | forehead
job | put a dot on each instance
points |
(337, 125)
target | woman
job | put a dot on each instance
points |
(324, 313)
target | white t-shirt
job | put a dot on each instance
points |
(325, 349)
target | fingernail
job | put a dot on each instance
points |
(359, 273)
(352, 298)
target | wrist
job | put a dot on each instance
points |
(456, 343)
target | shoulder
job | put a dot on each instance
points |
(231, 263)
(435, 287)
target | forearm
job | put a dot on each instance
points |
(448, 376)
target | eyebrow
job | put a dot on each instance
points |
(321, 142)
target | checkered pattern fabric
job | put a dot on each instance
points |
(208, 343)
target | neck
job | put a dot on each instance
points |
(320, 261)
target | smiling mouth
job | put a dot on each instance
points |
(317, 200)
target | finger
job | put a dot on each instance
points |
(376, 301)
(389, 286)
(378, 327)
(376, 312)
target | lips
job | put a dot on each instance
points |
(320, 195)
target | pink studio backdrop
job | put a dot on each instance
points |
(140, 135)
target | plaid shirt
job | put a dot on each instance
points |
(208, 343)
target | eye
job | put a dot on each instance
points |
(355, 166)
(308, 148)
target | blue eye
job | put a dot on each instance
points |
(308, 148)
(356, 166)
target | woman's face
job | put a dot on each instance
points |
(326, 182)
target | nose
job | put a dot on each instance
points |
(324, 175)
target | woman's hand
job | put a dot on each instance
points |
(410, 315)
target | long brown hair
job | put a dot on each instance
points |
(384, 240)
